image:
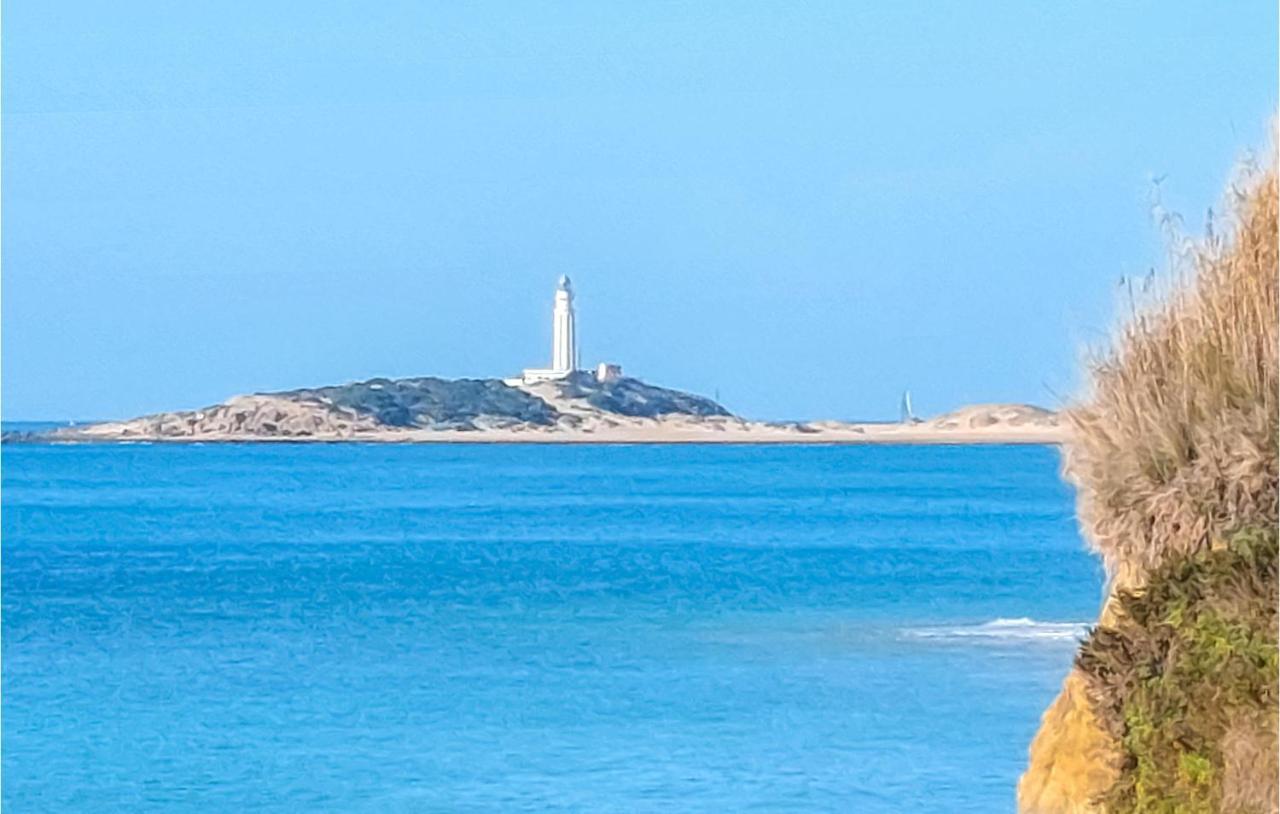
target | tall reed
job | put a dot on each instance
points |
(1175, 446)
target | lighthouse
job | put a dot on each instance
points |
(564, 337)
(564, 342)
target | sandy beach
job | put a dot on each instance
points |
(984, 424)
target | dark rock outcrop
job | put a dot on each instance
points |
(432, 403)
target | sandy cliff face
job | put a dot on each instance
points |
(1073, 760)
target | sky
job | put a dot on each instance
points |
(803, 208)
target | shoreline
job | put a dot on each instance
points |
(580, 410)
(760, 435)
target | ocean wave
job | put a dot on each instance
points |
(1019, 629)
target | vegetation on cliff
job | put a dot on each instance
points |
(1174, 455)
(429, 401)
(1184, 679)
(469, 404)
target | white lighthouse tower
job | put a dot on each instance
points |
(564, 340)
(564, 337)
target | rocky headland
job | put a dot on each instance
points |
(577, 408)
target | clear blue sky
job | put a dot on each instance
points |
(805, 206)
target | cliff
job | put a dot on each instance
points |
(1171, 705)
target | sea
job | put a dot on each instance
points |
(528, 628)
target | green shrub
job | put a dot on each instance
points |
(1185, 680)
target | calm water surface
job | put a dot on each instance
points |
(525, 628)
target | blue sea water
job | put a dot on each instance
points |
(377, 628)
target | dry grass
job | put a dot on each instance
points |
(1175, 448)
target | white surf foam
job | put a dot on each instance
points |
(1020, 629)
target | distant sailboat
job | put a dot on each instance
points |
(907, 416)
